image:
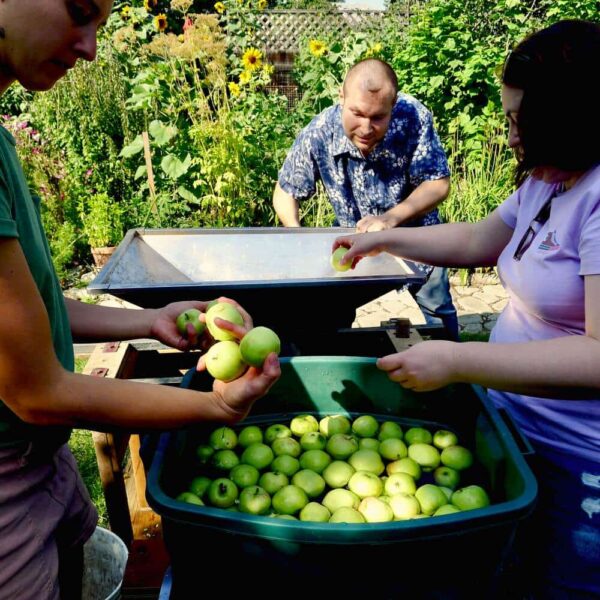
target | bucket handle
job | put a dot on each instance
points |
(522, 442)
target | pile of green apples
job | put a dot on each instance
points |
(335, 469)
(227, 359)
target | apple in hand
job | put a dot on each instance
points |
(227, 312)
(336, 257)
(191, 316)
(257, 344)
(224, 361)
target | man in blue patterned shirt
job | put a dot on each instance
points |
(382, 165)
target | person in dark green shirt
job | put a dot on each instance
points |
(45, 512)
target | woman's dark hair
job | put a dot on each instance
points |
(559, 117)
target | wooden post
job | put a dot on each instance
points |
(150, 172)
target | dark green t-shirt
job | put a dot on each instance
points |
(20, 218)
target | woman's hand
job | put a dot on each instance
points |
(425, 367)
(164, 328)
(359, 245)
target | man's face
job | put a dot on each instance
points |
(366, 115)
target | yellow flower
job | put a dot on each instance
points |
(126, 12)
(377, 48)
(268, 69)
(220, 7)
(262, 4)
(150, 4)
(181, 37)
(234, 88)
(160, 22)
(252, 59)
(317, 48)
(245, 77)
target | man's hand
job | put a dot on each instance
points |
(376, 223)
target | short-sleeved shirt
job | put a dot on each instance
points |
(358, 186)
(20, 218)
(546, 300)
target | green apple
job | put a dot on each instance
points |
(273, 481)
(446, 477)
(315, 460)
(223, 438)
(312, 483)
(367, 460)
(365, 483)
(244, 475)
(288, 446)
(368, 444)
(400, 483)
(341, 445)
(340, 497)
(289, 500)
(258, 455)
(227, 312)
(286, 464)
(390, 429)
(404, 465)
(204, 452)
(346, 515)
(457, 457)
(443, 438)
(199, 485)
(336, 257)
(222, 492)
(302, 424)
(285, 517)
(332, 424)
(254, 500)
(190, 498)
(257, 344)
(426, 455)
(470, 497)
(447, 509)
(418, 435)
(447, 491)
(430, 498)
(393, 449)
(337, 474)
(316, 512)
(251, 434)
(375, 510)
(276, 431)
(404, 506)
(313, 440)
(224, 460)
(365, 426)
(190, 317)
(224, 361)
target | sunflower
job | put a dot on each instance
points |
(262, 4)
(150, 4)
(245, 77)
(160, 22)
(126, 12)
(252, 59)
(220, 7)
(317, 48)
(234, 88)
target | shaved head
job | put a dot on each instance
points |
(371, 75)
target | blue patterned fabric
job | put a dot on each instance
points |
(357, 186)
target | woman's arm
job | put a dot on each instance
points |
(39, 390)
(448, 245)
(565, 367)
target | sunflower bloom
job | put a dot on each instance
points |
(317, 47)
(234, 88)
(268, 69)
(262, 4)
(220, 7)
(160, 22)
(252, 59)
(126, 12)
(245, 77)
(149, 5)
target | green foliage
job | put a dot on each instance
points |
(102, 220)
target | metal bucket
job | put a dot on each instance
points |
(104, 560)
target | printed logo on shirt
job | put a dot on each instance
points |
(550, 242)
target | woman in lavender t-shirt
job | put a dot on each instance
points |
(543, 364)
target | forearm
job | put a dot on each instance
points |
(286, 207)
(564, 367)
(91, 322)
(421, 201)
